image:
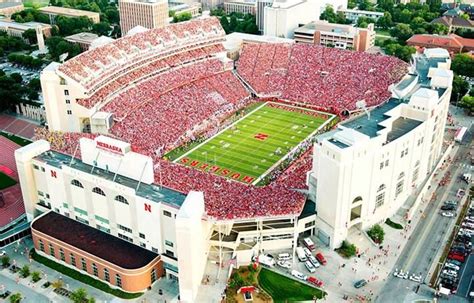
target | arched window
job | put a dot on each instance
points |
(98, 191)
(381, 187)
(358, 199)
(121, 199)
(399, 187)
(106, 275)
(402, 174)
(76, 183)
(416, 171)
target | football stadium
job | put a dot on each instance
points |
(160, 140)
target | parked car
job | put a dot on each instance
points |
(313, 260)
(451, 266)
(284, 257)
(457, 257)
(449, 272)
(360, 283)
(448, 207)
(321, 259)
(284, 264)
(416, 278)
(307, 252)
(299, 275)
(310, 267)
(455, 262)
(315, 281)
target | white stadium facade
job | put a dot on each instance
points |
(362, 171)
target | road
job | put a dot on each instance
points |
(430, 234)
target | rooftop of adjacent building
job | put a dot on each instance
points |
(151, 192)
(67, 11)
(23, 26)
(82, 37)
(325, 26)
(451, 40)
(370, 124)
(98, 243)
(357, 11)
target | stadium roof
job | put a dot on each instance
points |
(151, 192)
(93, 241)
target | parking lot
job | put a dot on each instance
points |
(26, 73)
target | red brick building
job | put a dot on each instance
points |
(108, 258)
(453, 43)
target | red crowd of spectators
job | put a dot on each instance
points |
(93, 65)
(328, 78)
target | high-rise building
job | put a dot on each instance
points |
(146, 13)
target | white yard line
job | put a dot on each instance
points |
(198, 146)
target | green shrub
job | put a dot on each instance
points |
(376, 233)
(5, 261)
(347, 249)
(35, 276)
(393, 224)
(25, 271)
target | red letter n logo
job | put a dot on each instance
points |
(261, 136)
(147, 207)
(53, 174)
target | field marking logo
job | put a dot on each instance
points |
(261, 136)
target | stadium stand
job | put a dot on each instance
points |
(166, 87)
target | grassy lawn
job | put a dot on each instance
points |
(6, 181)
(247, 149)
(18, 140)
(35, 3)
(283, 289)
(76, 275)
(382, 32)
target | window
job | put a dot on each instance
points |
(125, 238)
(402, 153)
(106, 275)
(83, 264)
(118, 280)
(141, 235)
(68, 101)
(77, 183)
(69, 112)
(309, 224)
(65, 205)
(101, 219)
(399, 188)
(41, 245)
(40, 193)
(98, 191)
(142, 245)
(121, 199)
(95, 271)
(169, 243)
(104, 229)
(61, 255)
(167, 213)
(83, 221)
(51, 249)
(381, 165)
(154, 249)
(169, 253)
(66, 92)
(73, 260)
(406, 151)
(80, 211)
(380, 198)
(153, 275)
(358, 199)
(124, 228)
(42, 169)
(386, 162)
(47, 196)
(35, 166)
(416, 171)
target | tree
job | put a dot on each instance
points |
(233, 23)
(437, 29)
(225, 24)
(365, 5)
(30, 35)
(467, 102)
(57, 284)
(363, 22)
(17, 78)
(101, 28)
(35, 276)
(182, 17)
(328, 14)
(5, 261)
(15, 298)
(79, 296)
(401, 31)
(463, 65)
(25, 271)
(385, 21)
(460, 88)
(402, 52)
(376, 233)
(58, 46)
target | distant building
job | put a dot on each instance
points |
(16, 29)
(149, 14)
(9, 8)
(454, 22)
(354, 14)
(240, 6)
(53, 11)
(336, 35)
(453, 43)
(261, 4)
(194, 8)
(83, 39)
(282, 17)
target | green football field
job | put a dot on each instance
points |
(248, 149)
